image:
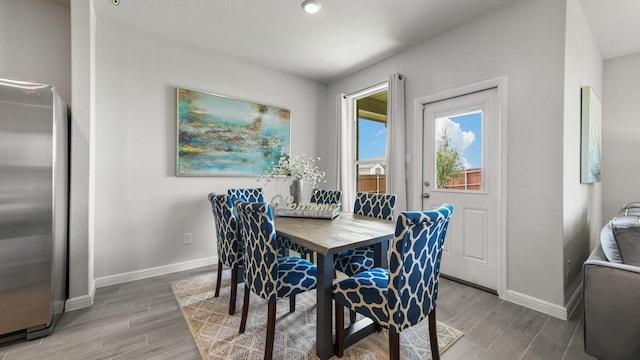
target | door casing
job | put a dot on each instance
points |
(500, 83)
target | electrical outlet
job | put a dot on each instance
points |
(568, 269)
(187, 238)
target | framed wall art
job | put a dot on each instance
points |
(222, 136)
(591, 139)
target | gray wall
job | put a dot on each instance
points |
(35, 43)
(581, 203)
(82, 214)
(136, 74)
(142, 209)
(524, 41)
(621, 133)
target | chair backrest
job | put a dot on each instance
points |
(255, 221)
(319, 196)
(414, 265)
(246, 195)
(230, 247)
(379, 206)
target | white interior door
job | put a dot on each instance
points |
(461, 166)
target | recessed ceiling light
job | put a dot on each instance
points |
(311, 6)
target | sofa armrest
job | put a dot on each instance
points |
(611, 308)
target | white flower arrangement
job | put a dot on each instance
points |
(295, 167)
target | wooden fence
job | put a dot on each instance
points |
(471, 179)
(372, 183)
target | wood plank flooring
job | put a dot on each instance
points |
(141, 320)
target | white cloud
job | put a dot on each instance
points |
(460, 140)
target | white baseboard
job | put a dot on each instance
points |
(560, 312)
(156, 271)
(80, 302)
(531, 302)
(574, 300)
(84, 301)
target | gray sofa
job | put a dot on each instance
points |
(611, 281)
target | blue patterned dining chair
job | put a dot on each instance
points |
(318, 196)
(230, 247)
(269, 276)
(256, 195)
(351, 262)
(405, 294)
(379, 206)
(248, 195)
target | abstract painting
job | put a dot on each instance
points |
(223, 136)
(591, 136)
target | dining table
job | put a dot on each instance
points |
(327, 237)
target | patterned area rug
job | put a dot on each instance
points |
(216, 332)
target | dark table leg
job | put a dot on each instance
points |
(324, 326)
(361, 329)
(380, 254)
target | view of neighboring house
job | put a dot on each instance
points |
(371, 169)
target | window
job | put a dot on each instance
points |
(458, 149)
(371, 140)
(363, 142)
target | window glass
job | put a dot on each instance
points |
(371, 138)
(459, 161)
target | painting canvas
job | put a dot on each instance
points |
(591, 136)
(223, 136)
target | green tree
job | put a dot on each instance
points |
(448, 165)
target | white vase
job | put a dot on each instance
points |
(295, 190)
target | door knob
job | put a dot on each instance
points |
(426, 195)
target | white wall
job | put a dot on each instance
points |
(35, 43)
(142, 209)
(524, 41)
(135, 162)
(81, 212)
(620, 133)
(582, 203)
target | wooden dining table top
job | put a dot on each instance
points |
(326, 236)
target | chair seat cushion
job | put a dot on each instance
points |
(295, 275)
(354, 261)
(365, 293)
(284, 242)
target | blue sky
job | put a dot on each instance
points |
(373, 135)
(471, 122)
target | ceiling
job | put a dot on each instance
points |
(345, 36)
(615, 25)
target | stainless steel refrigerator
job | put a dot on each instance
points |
(34, 192)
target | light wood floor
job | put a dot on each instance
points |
(141, 320)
